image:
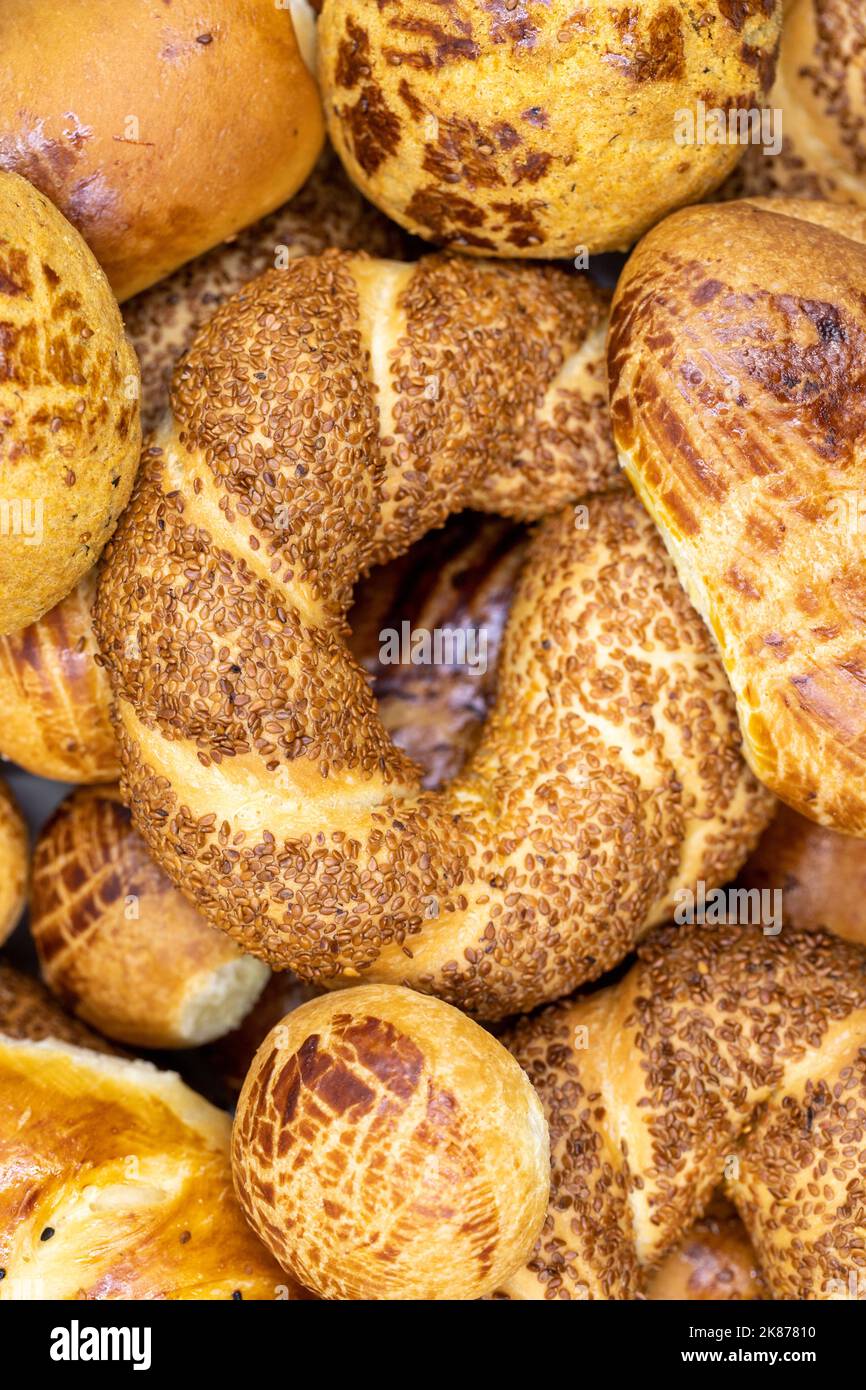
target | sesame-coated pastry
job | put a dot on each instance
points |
(119, 945)
(70, 434)
(737, 360)
(115, 1182)
(163, 321)
(538, 127)
(254, 760)
(14, 862)
(820, 91)
(820, 874)
(55, 697)
(385, 1146)
(723, 1056)
(159, 129)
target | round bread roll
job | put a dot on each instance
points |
(736, 361)
(115, 1183)
(715, 1263)
(27, 1010)
(55, 698)
(14, 862)
(158, 130)
(119, 945)
(820, 91)
(820, 874)
(387, 1147)
(163, 321)
(69, 386)
(537, 128)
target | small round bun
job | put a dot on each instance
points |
(387, 1147)
(158, 129)
(530, 128)
(117, 942)
(14, 859)
(55, 698)
(69, 383)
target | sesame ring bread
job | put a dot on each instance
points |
(157, 129)
(537, 128)
(69, 418)
(115, 1183)
(820, 89)
(385, 1146)
(737, 353)
(119, 945)
(253, 758)
(14, 862)
(723, 1056)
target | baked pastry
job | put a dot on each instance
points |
(115, 1183)
(253, 758)
(119, 945)
(69, 422)
(14, 862)
(385, 1146)
(820, 98)
(538, 129)
(723, 1056)
(55, 698)
(736, 365)
(185, 127)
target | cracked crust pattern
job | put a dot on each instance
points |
(462, 119)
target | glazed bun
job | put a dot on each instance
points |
(119, 945)
(55, 697)
(387, 1147)
(536, 130)
(14, 858)
(714, 1263)
(157, 131)
(735, 362)
(115, 1183)
(70, 435)
(163, 321)
(820, 91)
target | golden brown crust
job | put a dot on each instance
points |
(54, 696)
(14, 862)
(190, 125)
(163, 321)
(460, 121)
(820, 90)
(736, 360)
(120, 946)
(115, 1183)
(724, 1056)
(258, 770)
(387, 1147)
(69, 420)
(820, 874)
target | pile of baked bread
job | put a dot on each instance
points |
(529, 963)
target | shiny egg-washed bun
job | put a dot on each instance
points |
(387, 1147)
(158, 130)
(736, 364)
(115, 1183)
